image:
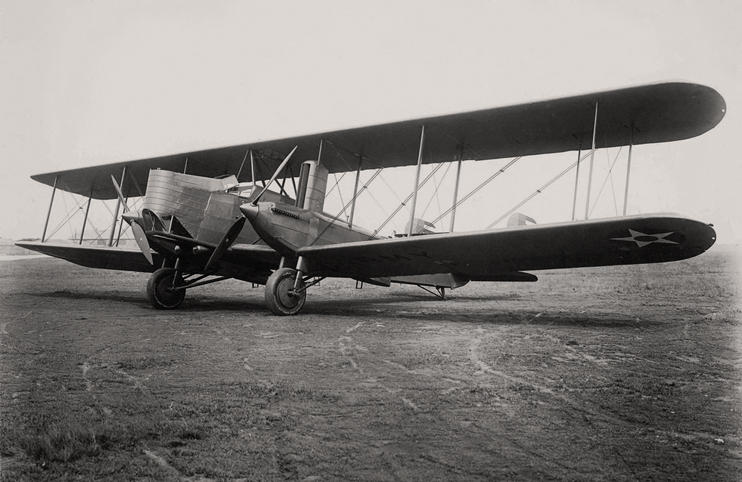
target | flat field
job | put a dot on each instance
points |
(626, 373)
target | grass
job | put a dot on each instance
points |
(65, 443)
(194, 432)
(74, 447)
(108, 389)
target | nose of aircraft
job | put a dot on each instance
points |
(250, 211)
(131, 216)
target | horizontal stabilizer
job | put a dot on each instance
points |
(420, 226)
(519, 219)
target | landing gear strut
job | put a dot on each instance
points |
(284, 295)
(162, 289)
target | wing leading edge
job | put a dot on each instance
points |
(487, 255)
(650, 113)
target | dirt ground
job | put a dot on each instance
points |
(628, 373)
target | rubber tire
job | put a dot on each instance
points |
(277, 296)
(159, 292)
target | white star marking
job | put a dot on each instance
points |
(642, 239)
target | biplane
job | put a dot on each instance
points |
(215, 214)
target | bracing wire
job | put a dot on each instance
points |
(340, 192)
(336, 184)
(437, 189)
(610, 173)
(136, 204)
(539, 191)
(404, 203)
(98, 232)
(95, 229)
(375, 200)
(610, 170)
(68, 216)
(337, 216)
(477, 189)
(365, 186)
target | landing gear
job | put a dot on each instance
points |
(161, 289)
(283, 294)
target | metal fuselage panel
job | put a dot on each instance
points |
(202, 205)
(287, 228)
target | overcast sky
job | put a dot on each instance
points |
(86, 83)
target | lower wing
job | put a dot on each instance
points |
(492, 255)
(246, 262)
(103, 257)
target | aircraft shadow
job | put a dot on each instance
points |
(95, 295)
(191, 303)
(380, 308)
(389, 307)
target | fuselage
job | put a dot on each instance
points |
(287, 228)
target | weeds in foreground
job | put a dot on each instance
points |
(64, 443)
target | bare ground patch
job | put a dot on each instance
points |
(606, 374)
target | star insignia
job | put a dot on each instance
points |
(642, 239)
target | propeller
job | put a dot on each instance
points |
(120, 194)
(139, 236)
(229, 237)
(142, 242)
(275, 175)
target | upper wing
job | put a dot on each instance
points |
(658, 113)
(487, 255)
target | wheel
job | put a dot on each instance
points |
(160, 292)
(279, 293)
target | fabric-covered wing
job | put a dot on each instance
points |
(104, 257)
(486, 255)
(247, 262)
(658, 113)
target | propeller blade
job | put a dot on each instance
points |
(275, 175)
(120, 194)
(229, 237)
(142, 242)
